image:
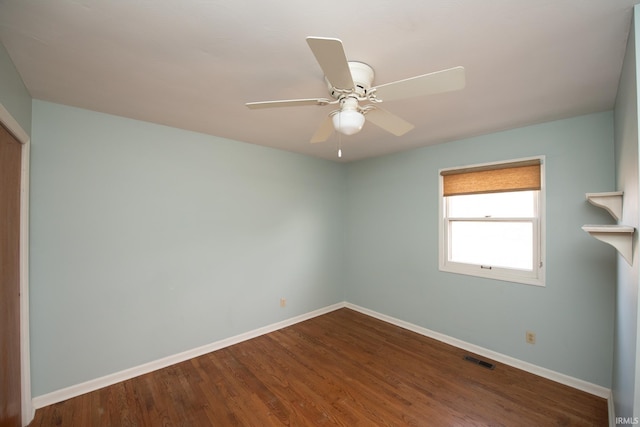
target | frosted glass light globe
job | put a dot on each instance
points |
(348, 122)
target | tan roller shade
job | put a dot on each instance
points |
(517, 176)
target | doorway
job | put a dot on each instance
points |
(10, 250)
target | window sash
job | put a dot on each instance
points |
(520, 204)
(533, 261)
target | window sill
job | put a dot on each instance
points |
(501, 274)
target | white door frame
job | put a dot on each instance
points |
(19, 133)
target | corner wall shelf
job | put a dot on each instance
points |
(611, 202)
(618, 236)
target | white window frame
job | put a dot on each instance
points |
(534, 277)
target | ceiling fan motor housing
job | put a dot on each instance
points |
(362, 76)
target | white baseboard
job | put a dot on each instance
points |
(107, 380)
(507, 360)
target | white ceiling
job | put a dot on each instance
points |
(193, 64)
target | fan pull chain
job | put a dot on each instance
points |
(339, 143)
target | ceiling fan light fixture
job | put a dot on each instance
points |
(348, 122)
(351, 82)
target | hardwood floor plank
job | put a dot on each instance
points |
(289, 381)
(340, 369)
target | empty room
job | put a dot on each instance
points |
(336, 213)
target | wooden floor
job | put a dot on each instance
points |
(342, 368)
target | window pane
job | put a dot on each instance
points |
(492, 243)
(517, 204)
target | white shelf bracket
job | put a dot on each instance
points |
(618, 236)
(611, 202)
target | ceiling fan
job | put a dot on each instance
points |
(349, 84)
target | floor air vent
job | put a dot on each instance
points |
(479, 362)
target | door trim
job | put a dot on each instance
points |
(7, 120)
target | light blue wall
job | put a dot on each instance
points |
(392, 249)
(147, 241)
(626, 377)
(14, 96)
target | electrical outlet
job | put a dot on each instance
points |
(283, 302)
(531, 337)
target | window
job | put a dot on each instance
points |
(491, 223)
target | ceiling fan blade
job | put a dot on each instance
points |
(324, 131)
(426, 84)
(330, 55)
(287, 103)
(388, 121)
